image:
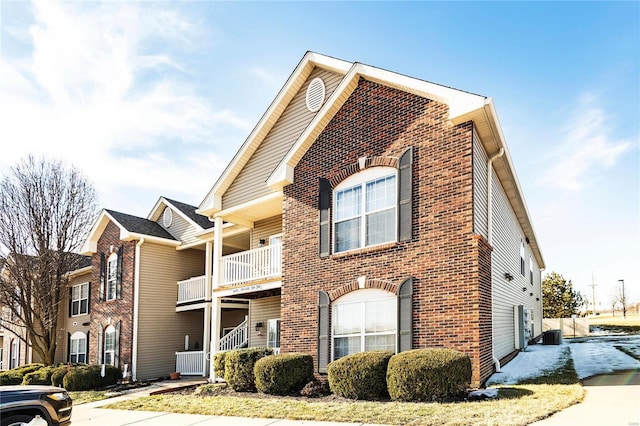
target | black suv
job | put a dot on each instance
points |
(21, 404)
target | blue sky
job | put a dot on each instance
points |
(154, 98)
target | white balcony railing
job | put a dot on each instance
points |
(251, 265)
(192, 289)
(190, 363)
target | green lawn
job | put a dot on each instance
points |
(615, 324)
(515, 405)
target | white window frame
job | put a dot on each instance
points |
(76, 298)
(530, 269)
(111, 330)
(361, 180)
(112, 277)
(358, 300)
(522, 269)
(273, 325)
(78, 347)
(14, 353)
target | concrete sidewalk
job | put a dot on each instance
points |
(611, 399)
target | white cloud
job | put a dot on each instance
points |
(104, 89)
(586, 147)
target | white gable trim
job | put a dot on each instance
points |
(460, 103)
(90, 245)
(213, 201)
(157, 210)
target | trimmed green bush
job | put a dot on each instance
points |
(41, 376)
(283, 374)
(423, 375)
(360, 376)
(58, 375)
(16, 375)
(87, 377)
(218, 364)
(238, 368)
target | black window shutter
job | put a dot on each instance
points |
(116, 356)
(86, 350)
(68, 347)
(323, 331)
(405, 315)
(324, 201)
(405, 176)
(70, 301)
(100, 348)
(119, 273)
(102, 276)
(88, 301)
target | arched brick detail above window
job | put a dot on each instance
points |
(369, 283)
(354, 168)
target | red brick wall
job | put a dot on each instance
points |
(443, 257)
(111, 311)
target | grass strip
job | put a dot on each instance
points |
(83, 397)
(515, 405)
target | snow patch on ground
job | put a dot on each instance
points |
(591, 356)
(484, 393)
(531, 363)
(599, 355)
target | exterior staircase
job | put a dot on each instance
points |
(236, 338)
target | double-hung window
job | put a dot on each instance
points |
(273, 334)
(78, 347)
(365, 209)
(530, 270)
(364, 320)
(112, 276)
(522, 258)
(109, 345)
(80, 299)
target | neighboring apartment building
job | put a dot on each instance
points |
(383, 212)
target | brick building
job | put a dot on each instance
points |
(366, 210)
(393, 217)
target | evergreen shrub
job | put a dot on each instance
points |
(432, 374)
(360, 375)
(283, 374)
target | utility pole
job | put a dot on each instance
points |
(593, 294)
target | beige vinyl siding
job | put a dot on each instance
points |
(266, 228)
(480, 159)
(251, 182)
(231, 318)
(161, 329)
(506, 258)
(181, 229)
(262, 310)
(69, 325)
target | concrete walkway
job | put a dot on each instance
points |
(612, 399)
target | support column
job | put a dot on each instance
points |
(206, 340)
(215, 335)
(215, 301)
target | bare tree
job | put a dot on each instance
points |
(621, 297)
(46, 209)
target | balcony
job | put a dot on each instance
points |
(259, 264)
(252, 265)
(190, 363)
(192, 290)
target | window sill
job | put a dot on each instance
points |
(364, 250)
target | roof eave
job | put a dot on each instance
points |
(212, 203)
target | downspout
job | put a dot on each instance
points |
(490, 240)
(136, 309)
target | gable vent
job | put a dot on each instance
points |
(315, 94)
